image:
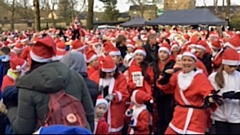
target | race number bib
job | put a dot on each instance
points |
(137, 79)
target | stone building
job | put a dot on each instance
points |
(179, 4)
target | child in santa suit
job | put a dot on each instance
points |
(101, 126)
(138, 113)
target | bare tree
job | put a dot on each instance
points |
(37, 22)
(50, 5)
(12, 9)
(73, 4)
(215, 2)
(140, 4)
(205, 3)
(90, 14)
(228, 9)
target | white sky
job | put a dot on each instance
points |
(123, 6)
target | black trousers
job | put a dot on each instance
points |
(165, 108)
(227, 128)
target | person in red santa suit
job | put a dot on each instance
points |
(16, 50)
(175, 49)
(140, 74)
(92, 62)
(114, 89)
(193, 93)
(101, 126)
(233, 43)
(77, 45)
(227, 117)
(138, 113)
(18, 66)
(60, 50)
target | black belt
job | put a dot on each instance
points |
(191, 106)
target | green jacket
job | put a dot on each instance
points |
(34, 89)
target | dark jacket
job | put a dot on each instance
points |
(92, 87)
(33, 98)
(151, 53)
(122, 49)
(4, 66)
(207, 61)
(122, 68)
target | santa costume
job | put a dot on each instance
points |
(16, 65)
(190, 89)
(116, 86)
(138, 113)
(101, 126)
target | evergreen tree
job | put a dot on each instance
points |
(111, 13)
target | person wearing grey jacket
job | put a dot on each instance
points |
(76, 62)
(45, 77)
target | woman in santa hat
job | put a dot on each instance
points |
(140, 74)
(164, 102)
(203, 55)
(193, 93)
(16, 50)
(17, 68)
(113, 87)
(175, 49)
(116, 56)
(92, 62)
(137, 114)
(226, 79)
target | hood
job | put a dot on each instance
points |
(47, 78)
(75, 61)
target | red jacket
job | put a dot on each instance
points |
(139, 119)
(101, 127)
(8, 79)
(133, 68)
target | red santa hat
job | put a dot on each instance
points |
(189, 54)
(18, 46)
(108, 64)
(107, 46)
(131, 44)
(140, 50)
(90, 56)
(101, 101)
(61, 50)
(77, 45)
(17, 64)
(230, 57)
(43, 50)
(165, 47)
(234, 42)
(202, 45)
(175, 44)
(114, 52)
(140, 97)
(216, 44)
(95, 41)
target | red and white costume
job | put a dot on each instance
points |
(140, 117)
(117, 86)
(190, 89)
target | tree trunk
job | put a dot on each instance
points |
(12, 14)
(215, 7)
(37, 22)
(228, 9)
(223, 6)
(90, 14)
(53, 19)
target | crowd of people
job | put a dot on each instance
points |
(115, 81)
